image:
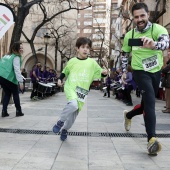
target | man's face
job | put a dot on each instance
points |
(141, 18)
(39, 64)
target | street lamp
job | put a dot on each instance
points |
(46, 42)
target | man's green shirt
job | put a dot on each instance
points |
(140, 56)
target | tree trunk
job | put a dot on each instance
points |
(33, 52)
(22, 13)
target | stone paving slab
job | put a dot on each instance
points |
(47, 152)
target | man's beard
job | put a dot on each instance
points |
(142, 28)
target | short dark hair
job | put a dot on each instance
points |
(138, 6)
(82, 41)
(15, 48)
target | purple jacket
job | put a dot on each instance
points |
(37, 72)
(129, 80)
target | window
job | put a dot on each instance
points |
(87, 15)
(88, 23)
(87, 30)
(100, 15)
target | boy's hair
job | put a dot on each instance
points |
(15, 48)
(138, 6)
(82, 41)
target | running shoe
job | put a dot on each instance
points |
(63, 136)
(154, 146)
(127, 122)
(58, 126)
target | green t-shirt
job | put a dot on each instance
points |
(80, 74)
(141, 57)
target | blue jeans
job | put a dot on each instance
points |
(10, 88)
(148, 84)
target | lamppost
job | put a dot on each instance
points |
(46, 42)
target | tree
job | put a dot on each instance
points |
(23, 10)
(158, 13)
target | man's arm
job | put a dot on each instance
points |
(161, 44)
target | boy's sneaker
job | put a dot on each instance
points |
(127, 122)
(58, 126)
(154, 146)
(63, 136)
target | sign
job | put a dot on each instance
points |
(7, 18)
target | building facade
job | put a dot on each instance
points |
(33, 19)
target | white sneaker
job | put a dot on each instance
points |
(127, 122)
(154, 146)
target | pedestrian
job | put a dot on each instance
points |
(129, 85)
(108, 83)
(10, 76)
(35, 78)
(166, 85)
(80, 72)
(146, 63)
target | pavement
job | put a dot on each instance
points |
(97, 140)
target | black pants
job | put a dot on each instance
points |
(34, 89)
(10, 88)
(108, 91)
(148, 83)
(127, 93)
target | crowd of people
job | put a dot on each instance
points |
(40, 74)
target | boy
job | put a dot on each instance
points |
(80, 72)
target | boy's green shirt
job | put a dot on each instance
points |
(139, 55)
(80, 73)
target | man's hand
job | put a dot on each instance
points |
(59, 83)
(148, 43)
(21, 86)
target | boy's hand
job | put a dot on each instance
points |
(59, 83)
(105, 72)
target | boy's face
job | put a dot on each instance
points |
(83, 51)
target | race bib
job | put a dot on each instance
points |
(150, 63)
(81, 94)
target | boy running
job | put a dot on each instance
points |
(80, 72)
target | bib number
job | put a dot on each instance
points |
(150, 63)
(81, 94)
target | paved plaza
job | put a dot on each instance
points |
(97, 140)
